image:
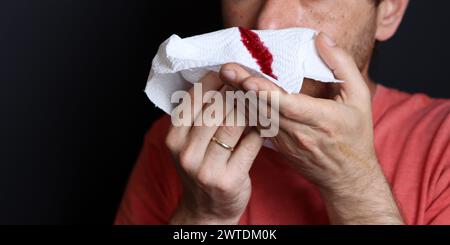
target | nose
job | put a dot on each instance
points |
(279, 14)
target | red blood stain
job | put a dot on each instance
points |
(258, 51)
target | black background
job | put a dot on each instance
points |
(72, 108)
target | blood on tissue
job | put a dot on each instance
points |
(258, 51)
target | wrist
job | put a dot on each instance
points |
(354, 181)
(193, 216)
(366, 201)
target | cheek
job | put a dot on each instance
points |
(346, 30)
(240, 13)
(357, 37)
(331, 19)
(341, 34)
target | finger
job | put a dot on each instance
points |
(216, 156)
(199, 137)
(293, 127)
(211, 82)
(229, 134)
(299, 107)
(246, 152)
(344, 68)
(233, 74)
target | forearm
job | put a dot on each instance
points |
(371, 203)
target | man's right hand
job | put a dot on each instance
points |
(216, 180)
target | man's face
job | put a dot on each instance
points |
(352, 23)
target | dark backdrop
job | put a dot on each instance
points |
(73, 112)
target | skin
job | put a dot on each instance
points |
(327, 136)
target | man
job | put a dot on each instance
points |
(359, 153)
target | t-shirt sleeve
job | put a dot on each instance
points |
(438, 208)
(153, 190)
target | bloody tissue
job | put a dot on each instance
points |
(258, 51)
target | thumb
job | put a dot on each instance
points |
(344, 68)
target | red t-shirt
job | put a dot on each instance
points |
(412, 136)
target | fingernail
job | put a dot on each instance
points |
(250, 86)
(328, 40)
(230, 75)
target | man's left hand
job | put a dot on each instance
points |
(330, 141)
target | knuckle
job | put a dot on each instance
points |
(328, 142)
(188, 158)
(302, 111)
(250, 78)
(204, 178)
(174, 141)
(290, 112)
(248, 152)
(228, 131)
(304, 141)
(330, 128)
(230, 65)
(225, 185)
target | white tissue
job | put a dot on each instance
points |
(181, 62)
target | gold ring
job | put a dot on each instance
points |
(216, 140)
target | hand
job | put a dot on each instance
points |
(216, 180)
(330, 141)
